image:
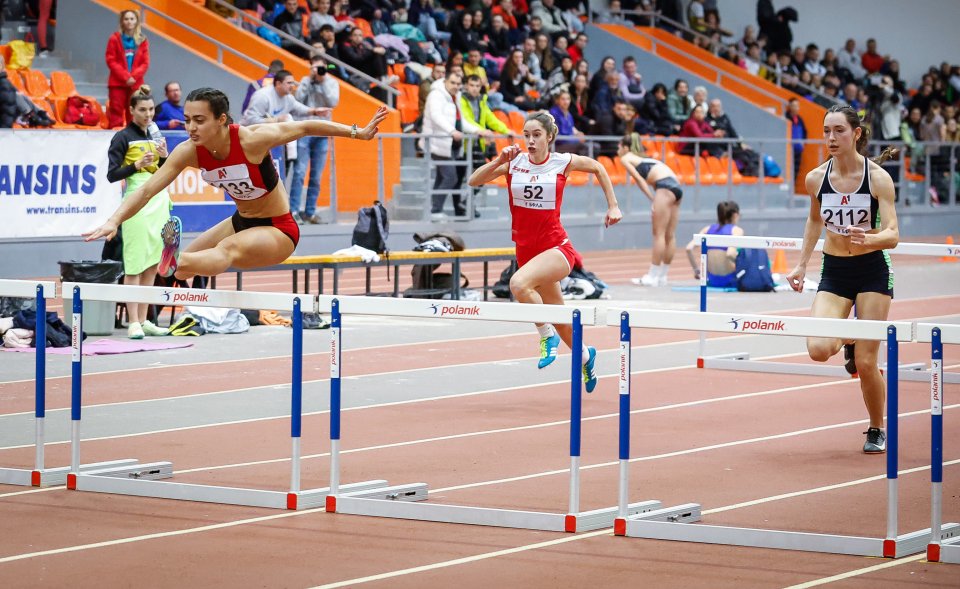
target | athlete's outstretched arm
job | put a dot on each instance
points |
(183, 155)
(264, 137)
(811, 231)
(494, 168)
(889, 234)
(579, 163)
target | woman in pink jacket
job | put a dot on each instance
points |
(128, 57)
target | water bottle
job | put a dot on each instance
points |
(155, 134)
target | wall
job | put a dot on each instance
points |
(918, 33)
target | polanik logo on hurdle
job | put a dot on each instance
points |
(757, 325)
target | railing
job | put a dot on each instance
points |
(655, 18)
(391, 92)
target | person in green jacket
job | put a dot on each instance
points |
(474, 108)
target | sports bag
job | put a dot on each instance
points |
(372, 228)
(80, 111)
(753, 271)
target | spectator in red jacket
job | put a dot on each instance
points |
(128, 57)
(697, 126)
(871, 60)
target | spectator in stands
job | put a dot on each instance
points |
(475, 109)
(624, 123)
(569, 138)
(275, 103)
(498, 43)
(551, 17)
(319, 91)
(9, 109)
(561, 78)
(579, 46)
(290, 21)
(533, 62)
(631, 83)
(798, 132)
(599, 78)
(571, 14)
(327, 44)
(559, 49)
(133, 158)
(612, 15)
(770, 70)
(603, 103)
(319, 17)
(656, 112)
(582, 67)
(829, 61)
(777, 29)
(751, 59)
(695, 16)
(44, 9)
(888, 111)
(441, 116)
(505, 10)
(515, 80)
(128, 58)
(580, 104)
(462, 36)
(473, 67)
(848, 59)
(439, 72)
(360, 54)
(952, 133)
(933, 127)
(811, 61)
(871, 60)
(893, 70)
(719, 121)
(850, 92)
(671, 9)
(481, 23)
(909, 134)
(422, 14)
(697, 127)
(275, 66)
(700, 97)
(170, 112)
(680, 104)
(543, 49)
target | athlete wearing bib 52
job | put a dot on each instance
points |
(853, 198)
(237, 160)
(535, 180)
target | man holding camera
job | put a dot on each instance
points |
(319, 91)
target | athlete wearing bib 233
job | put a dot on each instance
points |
(536, 193)
(847, 276)
(243, 180)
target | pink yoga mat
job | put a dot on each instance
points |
(109, 346)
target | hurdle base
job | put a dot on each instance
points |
(740, 361)
(407, 505)
(947, 551)
(904, 545)
(50, 477)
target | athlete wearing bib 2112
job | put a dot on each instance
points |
(853, 197)
(237, 160)
(535, 181)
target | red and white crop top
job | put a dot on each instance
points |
(235, 175)
(536, 193)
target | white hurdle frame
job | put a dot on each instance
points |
(404, 503)
(144, 480)
(892, 546)
(741, 361)
(939, 550)
(40, 476)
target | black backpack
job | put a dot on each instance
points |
(753, 271)
(372, 228)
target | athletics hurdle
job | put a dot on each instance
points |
(144, 480)
(404, 504)
(40, 476)
(741, 360)
(937, 550)
(892, 546)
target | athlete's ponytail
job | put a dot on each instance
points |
(726, 209)
(633, 143)
(142, 93)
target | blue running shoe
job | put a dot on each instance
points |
(589, 374)
(548, 350)
(170, 234)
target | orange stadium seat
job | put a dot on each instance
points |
(62, 84)
(16, 80)
(737, 177)
(578, 178)
(36, 84)
(398, 70)
(364, 25)
(408, 103)
(516, 121)
(617, 175)
(718, 170)
(688, 170)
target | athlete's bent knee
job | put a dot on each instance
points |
(819, 352)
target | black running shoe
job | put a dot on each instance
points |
(876, 441)
(851, 364)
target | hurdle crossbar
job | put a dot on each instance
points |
(147, 480)
(406, 504)
(939, 549)
(743, 362)
(892, 545)
(40, 475)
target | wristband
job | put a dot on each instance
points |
(353, 131)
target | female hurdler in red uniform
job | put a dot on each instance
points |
(236, 159)
(535, 181)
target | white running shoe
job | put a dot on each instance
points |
(646, 280)
(135, 331)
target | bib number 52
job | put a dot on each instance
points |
(533, 192)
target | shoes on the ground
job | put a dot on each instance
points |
(647, 280)
(848, 355)
(589, 373)
(314, 321)
(187, 325)
(135, 331)
(437, 217)
(44, 53)
(548, 350)
(170, 256)
(314, 220)
(876, 441)
(150, 329)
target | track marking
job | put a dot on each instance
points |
(858, 572)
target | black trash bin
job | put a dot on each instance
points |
(98, 316)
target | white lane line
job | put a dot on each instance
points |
(32, 491)
(675, 453)
(372, 406)
(858, 572)
(578, 537)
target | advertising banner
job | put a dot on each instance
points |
(54, 184)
